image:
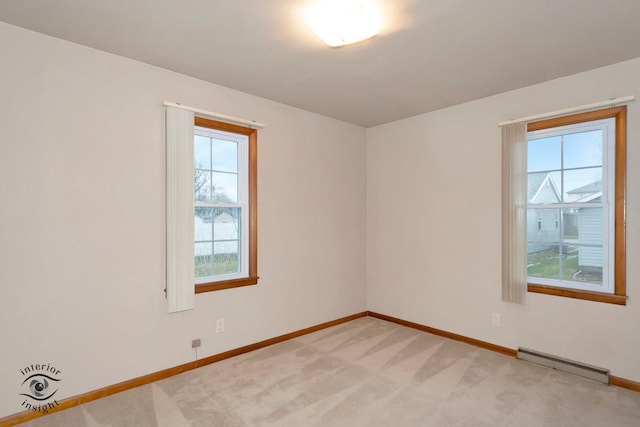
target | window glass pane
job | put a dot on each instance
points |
(202, 185)
(226, 224)
(203, 226)
(570, 225)
(202, 152)
(226, 234)
(203, 259)
(583, 185)
(543, 248)
(543, 154)
(584, 264)
(225, 187)
(589, 226)
(543, 188)
(578, 257)
(582, 149)
(544, 263)
(543, 229)
(225, 155)
(227, 257)
(222, 255)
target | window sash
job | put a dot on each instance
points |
(607, 126)
(242, 204)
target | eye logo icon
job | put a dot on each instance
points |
(40, 387)
(39, 384)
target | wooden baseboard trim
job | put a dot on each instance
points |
(616, 381)
(271, 341)
(445, 334)
(624, 383)
(156, 376)
(166, 373)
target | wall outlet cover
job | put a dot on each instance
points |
(495, 319)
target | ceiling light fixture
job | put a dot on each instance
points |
(343, 22)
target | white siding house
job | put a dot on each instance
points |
(590, 232)
(590, 224)
(543, 224)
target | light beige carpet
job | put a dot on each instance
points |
(367, 372)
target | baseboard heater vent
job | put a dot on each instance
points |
(565, 365)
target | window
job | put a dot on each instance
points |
(225, 241)
(211, 206)
(575, 206)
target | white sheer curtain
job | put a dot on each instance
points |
(514, 210)
(180, 244)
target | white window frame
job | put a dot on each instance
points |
(607, 202)
(243, 201)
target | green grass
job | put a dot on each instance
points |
(547, 264)
(222, 264)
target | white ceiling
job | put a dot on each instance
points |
(430, 54)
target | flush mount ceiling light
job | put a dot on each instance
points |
(343, 22)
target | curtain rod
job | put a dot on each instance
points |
(608, 102)
(217, 116)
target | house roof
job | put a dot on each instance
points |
(593, 187)
(594, 197)
(536, 182)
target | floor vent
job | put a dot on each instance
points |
(565, 365)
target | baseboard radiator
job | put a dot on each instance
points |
(565, 365)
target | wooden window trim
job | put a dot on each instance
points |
(252, 135)
(619, 295)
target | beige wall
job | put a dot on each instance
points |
(82, 219)
(433, 206)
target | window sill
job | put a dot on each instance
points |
(226, 284)
(578, 294)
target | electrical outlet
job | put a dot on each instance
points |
(495, 319)
(219, 326)
(195, 343)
